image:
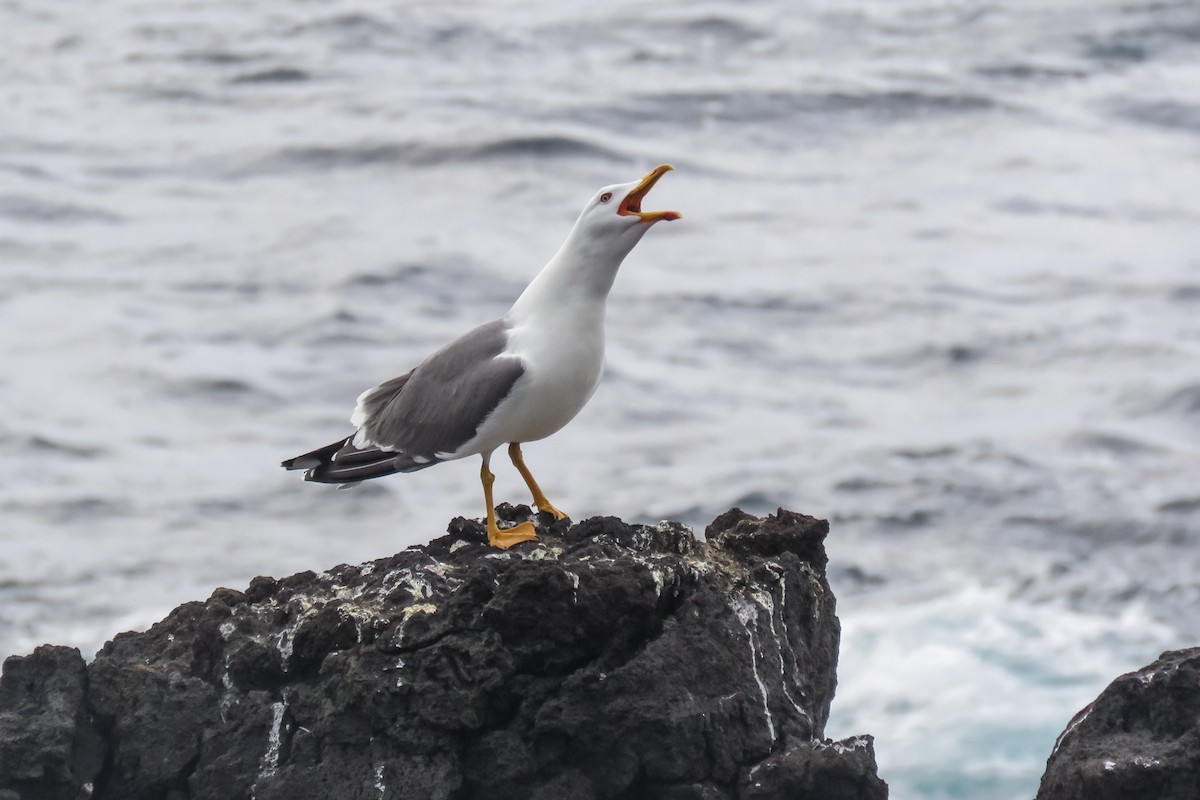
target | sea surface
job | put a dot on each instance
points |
(937, 280)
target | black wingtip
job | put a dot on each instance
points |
(300, 462)
(316, 458)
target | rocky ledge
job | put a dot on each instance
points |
(605, 660)
(1139, 740)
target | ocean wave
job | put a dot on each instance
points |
(723, 29)
(926, 453)
(931, 19)
(438, 284)
(335, 328)
(862, 484)
(401, 274)
(358, 24)
(43, 445)
(909, 520)
(27, 171)
(544, 146)
(1181, 505)
(75, 509)
(415, 34)
(328, 158)
(1112, 444)
(247, 288)
(1183, 402)
(1029, 206)
(1028, 71)
(755, 304)
(706, 32)
(754, 107)
(218, 57)
(273, 75)
(218, 506)
(203, 391)
(1166, 26)
(31, 209)
(1168, 114)
(176, 94)
(217, 386)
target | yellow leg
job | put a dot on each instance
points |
(539, 499)
(503, 539)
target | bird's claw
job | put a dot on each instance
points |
(548, 508)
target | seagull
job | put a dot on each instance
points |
(516, 379)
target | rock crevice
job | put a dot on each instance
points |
(605, 660)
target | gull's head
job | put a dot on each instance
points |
(615, 212)
(611, 224)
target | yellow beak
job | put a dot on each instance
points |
(632, 204)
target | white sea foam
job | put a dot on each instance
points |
(974, 679)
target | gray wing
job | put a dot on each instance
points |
(439, 406)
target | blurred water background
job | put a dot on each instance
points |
(938, 280)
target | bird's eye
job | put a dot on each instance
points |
(604, 198)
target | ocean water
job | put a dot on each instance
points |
(937, 280)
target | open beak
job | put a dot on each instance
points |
(631, 206)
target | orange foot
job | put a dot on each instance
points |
(546, 507)
(505, 538)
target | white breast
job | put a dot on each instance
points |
(563, 356)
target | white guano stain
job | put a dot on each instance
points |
(408, 578)
(284, 646)
(659, 580)
(400, 677)
(270, 759)
(767, 601)
(1062, 737)
(747, 613)
(229, 695)
(380, 786)
(269, 764)
(847, 746)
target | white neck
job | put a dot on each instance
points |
(578, 278)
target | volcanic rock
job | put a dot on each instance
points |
(1139, 740)
(604, 660)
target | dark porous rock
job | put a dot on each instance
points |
(782, 532)
(817, 771)
(1139, 740)
(48, 748)
(604, 660)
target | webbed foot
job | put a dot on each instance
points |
(505, 538)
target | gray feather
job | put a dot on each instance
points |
(372, 402)
(439, 406)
